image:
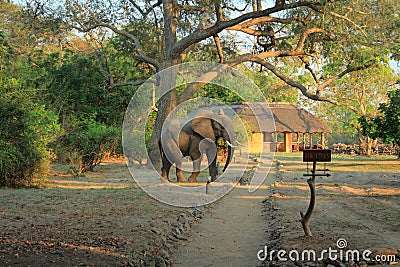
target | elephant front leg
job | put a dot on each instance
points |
(179, 173)
(196, 170)
(196, 157)
(164, 175)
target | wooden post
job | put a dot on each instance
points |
(305, 218)
(323, 141)
(313, 155)
(287, 141)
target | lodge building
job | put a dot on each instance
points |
(294, 128)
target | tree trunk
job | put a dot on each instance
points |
(397, 148)
(165, 105)
(168, 101)
(369, 146)
(365, 144)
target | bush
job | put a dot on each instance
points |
(25, 131)
(387, 124)
(87, 143)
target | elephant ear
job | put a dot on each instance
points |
(202, 125)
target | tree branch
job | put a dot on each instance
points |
(305, 218)
(99, 24)
(306, 62)
(317, 96)
(208, 76)
(219, 49)
(192, 88)
(245, 26)
(144, 13)
(343, 73)
(259, 58)
(293, 83)
(348, 20)
(263, 55)
(113, 85)
(305, 34)
(235, 8)
(218, 11)
(202, 34)
(250, 31)
(133, 3)
(138, 46)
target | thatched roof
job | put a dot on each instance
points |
(288, 118)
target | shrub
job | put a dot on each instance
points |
(88, 142)
(25, 131)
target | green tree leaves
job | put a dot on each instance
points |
(387, 124)
(25, 132)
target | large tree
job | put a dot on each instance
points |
(339, 36)
(27, 127)
(359, 94)
(387, 124)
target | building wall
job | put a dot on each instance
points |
(287, 144)
(255, 143)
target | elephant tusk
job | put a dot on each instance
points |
(239, 143)
(229, 144)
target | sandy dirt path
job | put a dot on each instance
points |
(230, 234)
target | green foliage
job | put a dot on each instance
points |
(355, 99)
(25, 132)
(87, 143)
(274, 89)
(75, 84)
(219, 93)
(27, 126)
(343, 123)
(390, 121)
(386, 125)
(90, 112)
(72, 86)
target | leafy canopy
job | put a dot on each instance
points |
(386, 125)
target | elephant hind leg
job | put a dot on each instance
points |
(196, 157)
(165, 169)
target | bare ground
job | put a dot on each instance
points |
(361, 207)
(99, 220)
(103, 219)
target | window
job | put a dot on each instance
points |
(295, 137)
(268, 137)
(280, 137)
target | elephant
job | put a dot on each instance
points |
(192, 137)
